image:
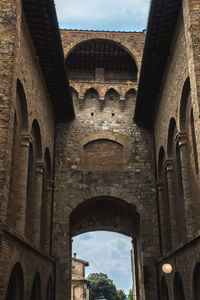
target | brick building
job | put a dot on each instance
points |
(73, 159)
(79, 285)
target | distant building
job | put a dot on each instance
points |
(80, 285)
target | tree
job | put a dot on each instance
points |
(130, 295)
(102, 287)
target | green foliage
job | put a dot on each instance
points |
(130, 295)
(102, 287)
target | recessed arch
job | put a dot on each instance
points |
(36, 133)
(111, 94)
(171, 135)
(178, 288)
(101, 60)
(15, 290)
(104, 213)
(196, 282)
(74, 92)
(92, 92)
(185, 99)
(129, 93)
(21, 106)
(161, 158)
(36, 288)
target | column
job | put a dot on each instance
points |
(21, 184)
(185, 170)
(170, 176)
(37, 202)
(47, 212)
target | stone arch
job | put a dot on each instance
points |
(34, 171)
(110, 155)
(15, 290)
(131, 52)
(129, 92)
(36, 288)
(161, 158)
(185, 99)
(36, 134)
(20, 128)
(104, 213)
(112, 92)
(74, 92)
(114, 192)
(91, 90)
(164, 289)
(178, 288)
(172, 131)
(196, 282)
(49, 289)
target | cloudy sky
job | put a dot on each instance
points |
(123, 15)
(107, 252)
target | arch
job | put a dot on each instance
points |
(171, 135)
(15, 290)
(196, 282)
(164, 289)
(110, 93)
(36, 288)
(104, 213)
(49, 289)
(131, 52)
(161, 158)
(178, 288)
(91, 91)
(21, 105)
(185, 99)
(104, 60)
(130, 92)
(36, 133)
(110, 155)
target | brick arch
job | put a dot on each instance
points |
(15, 289)
(120, 139)
(178, 288)
(36, 287)
(104, 213)
(74, 44)
(129, 91)
(89, 89)
(108, 191)
(185, 99)
(111, 88)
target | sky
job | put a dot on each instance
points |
(117, 15)
(108, 253)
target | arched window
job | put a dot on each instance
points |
(35, 152)
(194, 143)
(178, 288)
(15, 289)
(36, 288)
(17, 156)
(196, 282)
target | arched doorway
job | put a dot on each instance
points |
(110, 214)
(15, 289)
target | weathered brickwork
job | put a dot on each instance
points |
(25, 107)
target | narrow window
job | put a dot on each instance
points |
(194, 142)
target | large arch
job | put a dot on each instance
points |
(101, 60)
(15, 290)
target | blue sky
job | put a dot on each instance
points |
(106, 252)
(122, 15)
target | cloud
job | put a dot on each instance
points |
(125, 15)
(108, 253)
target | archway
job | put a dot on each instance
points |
(101, 60)
(15, 289)
(107, 213)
